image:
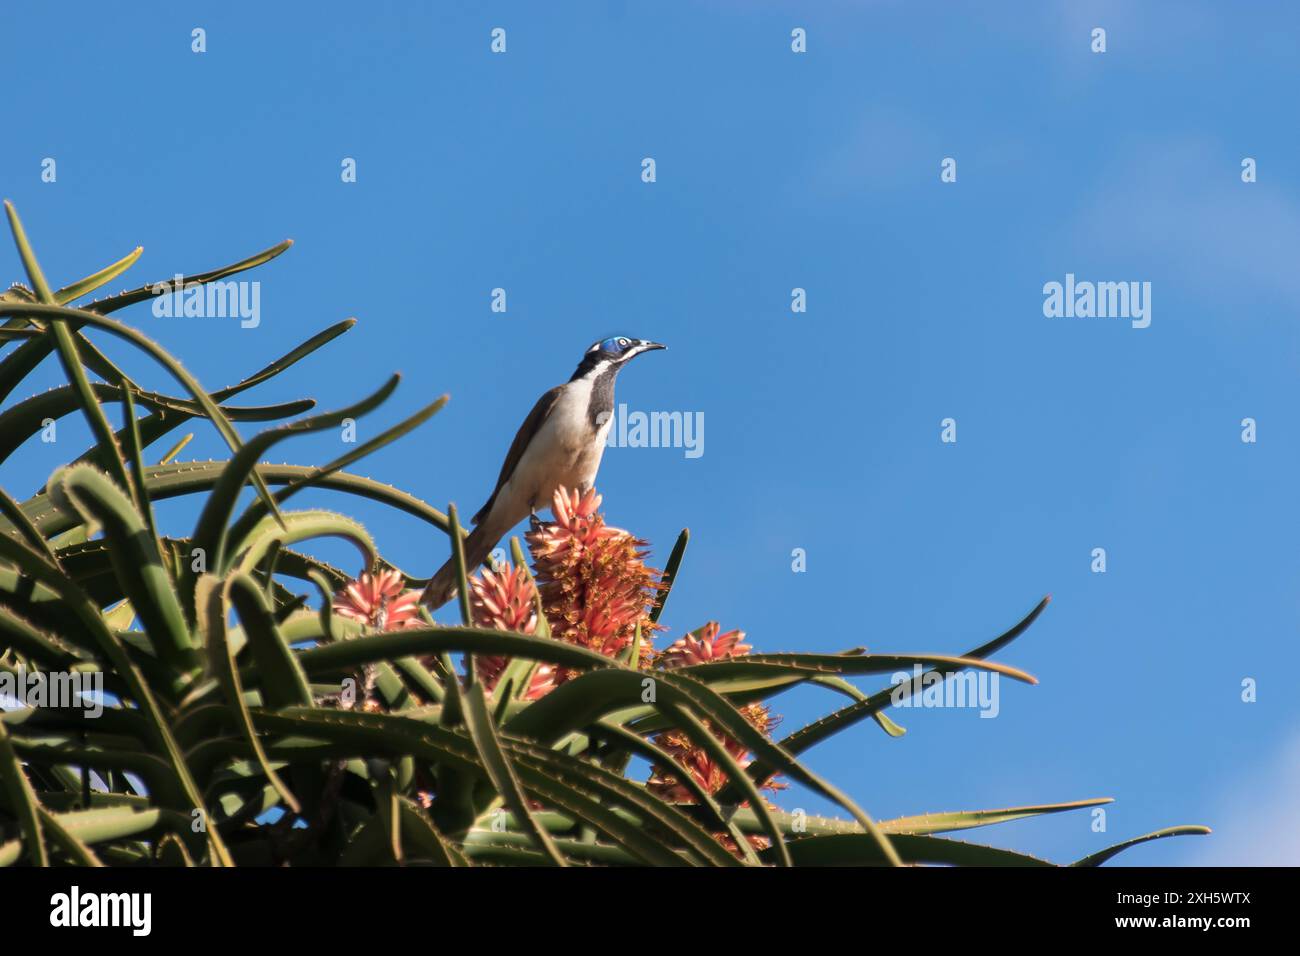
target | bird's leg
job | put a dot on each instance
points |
(534, 522)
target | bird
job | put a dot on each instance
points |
(560, 443)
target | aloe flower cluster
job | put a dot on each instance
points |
(595, 587)
(505, 599)
(379, 601)
(596, 591)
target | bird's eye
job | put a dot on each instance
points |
(623, 343)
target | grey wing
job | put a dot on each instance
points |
(525, 434)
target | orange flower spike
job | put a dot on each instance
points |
(596, 588)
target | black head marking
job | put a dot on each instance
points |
(611, 353)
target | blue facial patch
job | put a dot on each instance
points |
(617, 344)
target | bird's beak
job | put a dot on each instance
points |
(651, 346)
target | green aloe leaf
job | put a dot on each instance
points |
(795, 825)
(210, 533)
(456, 804)
(967, 819)
(699, 732)
(656, 755)
(571, 784)
(58, 317)
(75, 723)
(134, 457)
(295, 526)
(24, 528)
(123, 299)
(514, 849)
(170, 850)
(120, 617)
(22, 800)
(579, 703)
(115, 823)
(584, 700)
(68, 354)
(567, 783)
(318, 475)
(102, 277)
(810, 664)
(50, 652)
(211, 602)
(859, 849)
(182, 478)
(831, 724)
(164, 419)
(462, 577)
(18, 366)
(67, 840)
(176, 449)
(21, 363)
(137, 563)
(850, 690)
(724, 716)
(27, 418)
(499, 769)
(283, 683)
(1100, 857)
(420, 678)
(610, 693)
(76, 602)
(418, 642)
(670, 573)
(426, 837)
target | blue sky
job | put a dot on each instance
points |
(778, 170)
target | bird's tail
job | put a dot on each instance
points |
(478, 545)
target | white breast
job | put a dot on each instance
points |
(566, 451)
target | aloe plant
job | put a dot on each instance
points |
(229, 734)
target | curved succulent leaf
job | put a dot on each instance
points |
(967, 819)
(28, 417)
(212, 602)
(1096, 859)
(210, 531)
(298, 526)
(68, 354)
(94, 281)
(21, 800)
(500, 771)
(858, 849)
(110, 645)
(67, 840)
(819, 730)
(669, 577)
(283, 683)
(123, 299)
(138, 564)
(186, 477)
